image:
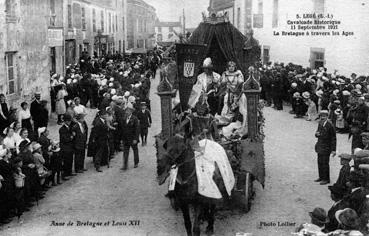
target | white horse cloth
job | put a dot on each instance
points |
(205, 167)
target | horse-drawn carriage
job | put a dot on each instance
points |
(234, 161)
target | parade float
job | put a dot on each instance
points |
(218, 39)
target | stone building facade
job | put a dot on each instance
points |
(40, 37)
(168, 31)
(141, 24)
(24, 52)
(95, 26)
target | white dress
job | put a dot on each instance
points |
(80, 109)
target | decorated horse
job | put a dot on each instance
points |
(196, 179)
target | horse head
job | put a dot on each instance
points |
(170, 153)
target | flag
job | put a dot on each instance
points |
(189, 59)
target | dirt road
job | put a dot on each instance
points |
(131, 203)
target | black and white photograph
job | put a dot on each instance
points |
(184, 117)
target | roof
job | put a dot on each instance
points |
(219, 5)
(224, 37)
(140, 2)
(168, 24)
(102, 3)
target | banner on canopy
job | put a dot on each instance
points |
(189, 61)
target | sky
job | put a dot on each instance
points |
(171, 10)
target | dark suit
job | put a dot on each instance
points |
(145, 122)
(333, 223)
(4, 120)
(37, 115)
(343, 176)
(325, 145)
(130, 132)
(119, 117)
(101, 140)
(66, 148)
(80, 140)
(7, 189)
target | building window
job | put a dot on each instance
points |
(258, 21)
(258, 18)
(260, 6)
(93, 20)
(116, 23)
(53, 59)
(52, 13)
(123, 24)
(275, 14)
(319, 6)
(11, 72)
(248, 13)
(109, 22)
(159, 29)
(266, 55)
(238, 18)
(83, 18)
(170, 29)
(102, 21)
(113, 23)
(69, 16)
(317, 57)
(52, 6)
(10, 11)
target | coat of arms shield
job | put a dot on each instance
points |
(188, 69)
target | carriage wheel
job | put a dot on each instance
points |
(248, 192)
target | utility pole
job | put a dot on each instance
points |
(184, 22)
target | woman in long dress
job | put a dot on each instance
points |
(60, 106)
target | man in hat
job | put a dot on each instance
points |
(347, 219)
(80, 131)
(358, 119)
(144, 116)
(344, 174)
(359, 190)
(209, 82)
(36, 110)
(318, 220)
(337, 194)
(130, 137)
(325, 146)
(66, 139)
(101, 137)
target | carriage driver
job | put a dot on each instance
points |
(233, 79)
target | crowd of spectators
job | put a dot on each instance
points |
(31, 162)
(346, 99)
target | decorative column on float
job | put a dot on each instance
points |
(166, 92)
(251, 88)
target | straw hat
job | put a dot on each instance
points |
(348, 217)
(319, 214)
